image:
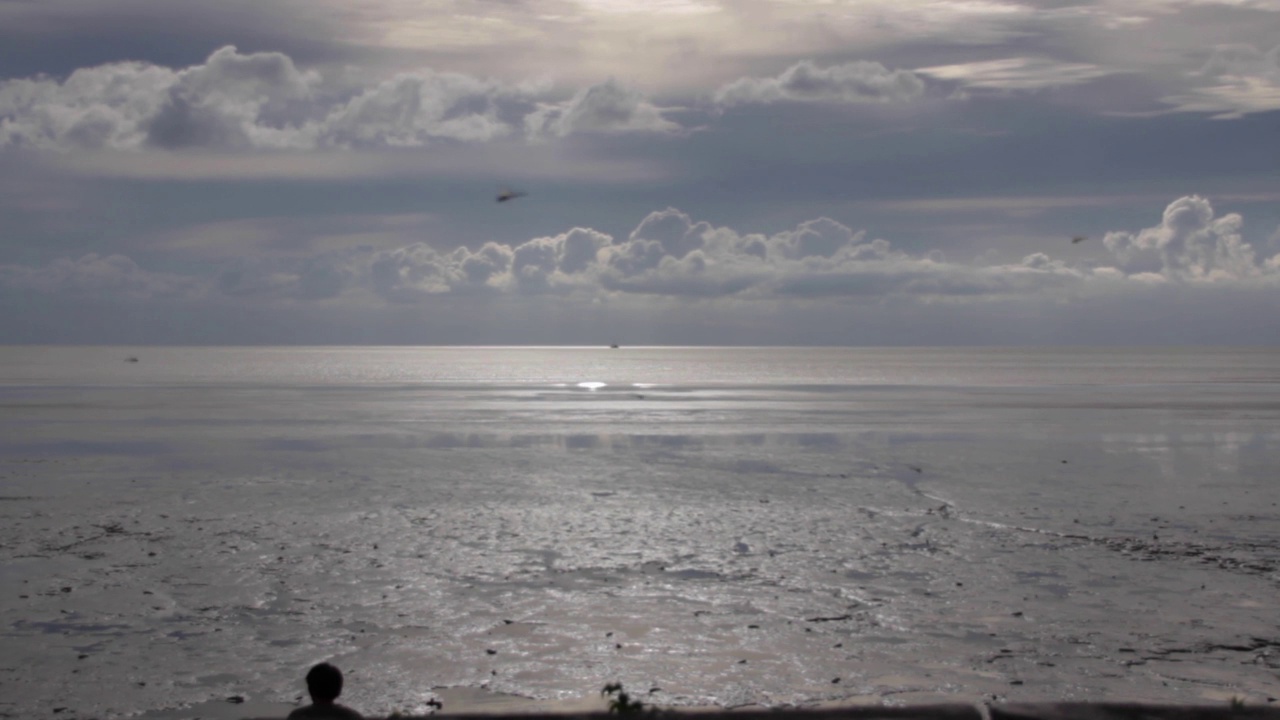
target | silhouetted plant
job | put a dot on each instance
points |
(619, 701)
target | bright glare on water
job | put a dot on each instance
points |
(691, 367)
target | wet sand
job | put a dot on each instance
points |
(185, 550)
(212, 598)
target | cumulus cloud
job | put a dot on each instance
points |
(1188, 244)
(668, 254)
(416, 108)
(1016, 73)
(1238, 80)
(264, 101)
(605, 108)
(671, 255)
(107, 106)
(854, 82)
(419, 272)
(231, 101)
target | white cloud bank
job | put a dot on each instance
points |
(856, 82)
(670, 255)
(238, 101)
(673, 280)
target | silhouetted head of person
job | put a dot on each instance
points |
(324, 682)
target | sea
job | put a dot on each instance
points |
(185, 530)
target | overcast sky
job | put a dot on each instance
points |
(863, 172)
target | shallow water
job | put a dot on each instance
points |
(732, 526)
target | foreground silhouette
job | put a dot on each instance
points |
(324, 683)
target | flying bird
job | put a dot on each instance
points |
(506, 194)
(1079, 239)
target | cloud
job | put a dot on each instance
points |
(234, 100)
(1241, 80)
(419, 272)
(580, 248)
(1189, 244)
(95, 277)
(59, 36)
(413, 109)
(256, 280)
(816, 238)
(558, 263)
(231, 101)
(319, 276)
(605, 108)
(237, 101)
(106, 106)
(1016, 73)
(519, 162)
(856, 82)
(671, 255)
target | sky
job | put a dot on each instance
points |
(743, 172)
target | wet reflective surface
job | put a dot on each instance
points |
(730, 527)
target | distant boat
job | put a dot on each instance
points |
(131, 359)
(614, 346)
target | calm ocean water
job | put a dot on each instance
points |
(732, 525)
(684, 367)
